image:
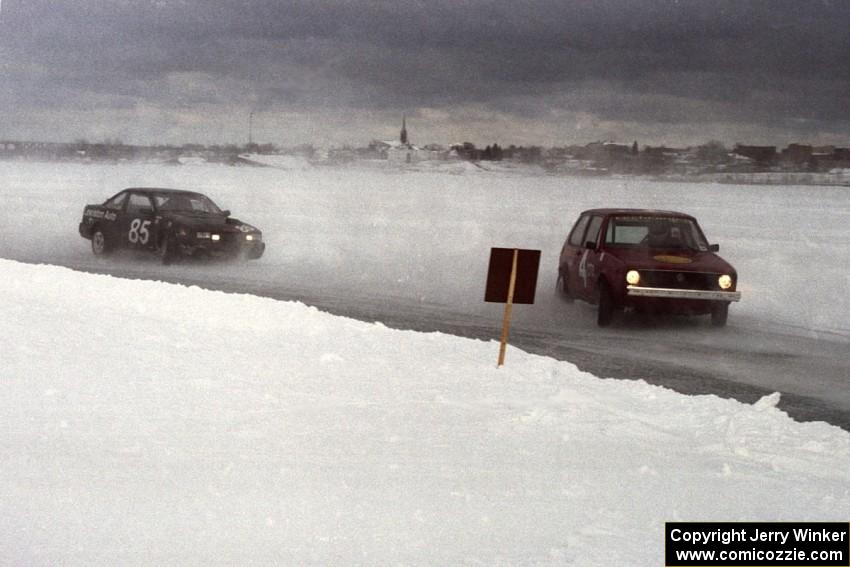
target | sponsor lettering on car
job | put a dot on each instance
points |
(100, 214)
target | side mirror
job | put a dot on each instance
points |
(146, 211)
(590, 245)
(714, 248)
(226, 212)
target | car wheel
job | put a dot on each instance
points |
(562, 289)
(719, 314)
(100, 245)
(605, 313)
(166, 250)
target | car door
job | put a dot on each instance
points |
(113, 211)
(583, 272)
(571, 254)
(588, 267)
(136, 222)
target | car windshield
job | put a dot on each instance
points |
(186, 203)
(655, 232)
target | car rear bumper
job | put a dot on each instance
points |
(669, 293)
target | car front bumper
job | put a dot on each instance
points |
(255, 250)
(669, 293)
(223, 249)
(85, 230)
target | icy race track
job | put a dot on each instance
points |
(410, 248)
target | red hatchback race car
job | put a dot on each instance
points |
(646, 260)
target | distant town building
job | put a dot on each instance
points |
(797, 153)
(465, 150)
(759, 154)
(601, 150)
(402, 151)
(841, 154)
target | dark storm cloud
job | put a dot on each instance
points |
(770, 62)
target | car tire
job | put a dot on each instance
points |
(166, 250)
(719, 314)
(562, 289)
(100, 245)
(605, 313)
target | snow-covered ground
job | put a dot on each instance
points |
(153, 424)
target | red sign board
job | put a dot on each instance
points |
(499, 275)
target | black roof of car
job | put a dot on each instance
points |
(636, 212)
(160, 190)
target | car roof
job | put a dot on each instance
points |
(161, 190)
(637, 212)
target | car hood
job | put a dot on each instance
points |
(218, 223)
(682, 260)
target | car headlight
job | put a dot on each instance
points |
(202, 235)
(633, 277)
(249, 237)
(215, 237)
(724, 281)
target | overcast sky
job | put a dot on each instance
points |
(548, 72)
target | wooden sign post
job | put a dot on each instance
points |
(509, 306)
(511, 278)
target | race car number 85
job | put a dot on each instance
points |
(139, 231)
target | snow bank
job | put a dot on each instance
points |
(278, 161)
(147, 423)
(453, 167)
(191, 160)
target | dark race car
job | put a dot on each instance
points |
(169, 222)
(647, 260)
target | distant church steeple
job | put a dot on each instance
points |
(403, 129)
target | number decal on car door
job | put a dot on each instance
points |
(139, 232)
(582, 268)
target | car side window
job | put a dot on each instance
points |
(116, 203)
(593, 230)
(137, 203)
(578, 231)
